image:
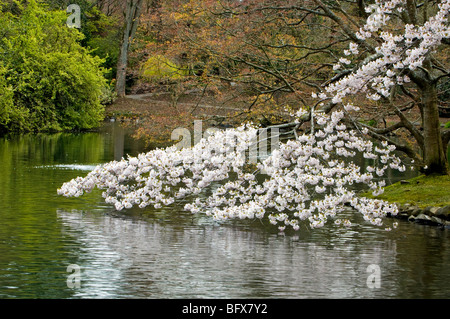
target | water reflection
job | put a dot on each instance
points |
(124, 257)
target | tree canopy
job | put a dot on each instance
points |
(51, 82)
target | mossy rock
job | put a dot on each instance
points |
(443, 213)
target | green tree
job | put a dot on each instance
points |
(56, 83)
(101, 30)
(6, 99)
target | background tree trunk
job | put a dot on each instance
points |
(434, 156)
(132, 12)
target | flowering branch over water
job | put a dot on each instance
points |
(307, 179)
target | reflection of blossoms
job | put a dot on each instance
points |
(296, 183)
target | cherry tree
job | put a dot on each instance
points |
(394, 58)
(400, 57)
(309, 179)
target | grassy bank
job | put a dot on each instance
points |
(421, 191)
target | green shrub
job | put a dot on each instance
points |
(10, 115)
(109, 95)
(55, 83)
(159, 68)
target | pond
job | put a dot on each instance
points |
(168, 253)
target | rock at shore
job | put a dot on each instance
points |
(435, 216)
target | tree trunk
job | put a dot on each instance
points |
(434, 152)
(362, 9)
(122, 68)
(132, 13)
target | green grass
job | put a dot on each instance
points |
(421, 191)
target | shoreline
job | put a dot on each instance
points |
(430, 215)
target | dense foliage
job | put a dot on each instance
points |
(48, 80)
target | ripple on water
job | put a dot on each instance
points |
(75, 167)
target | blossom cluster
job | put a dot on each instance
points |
(396, 55)
(163, 175)
(308, 179)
